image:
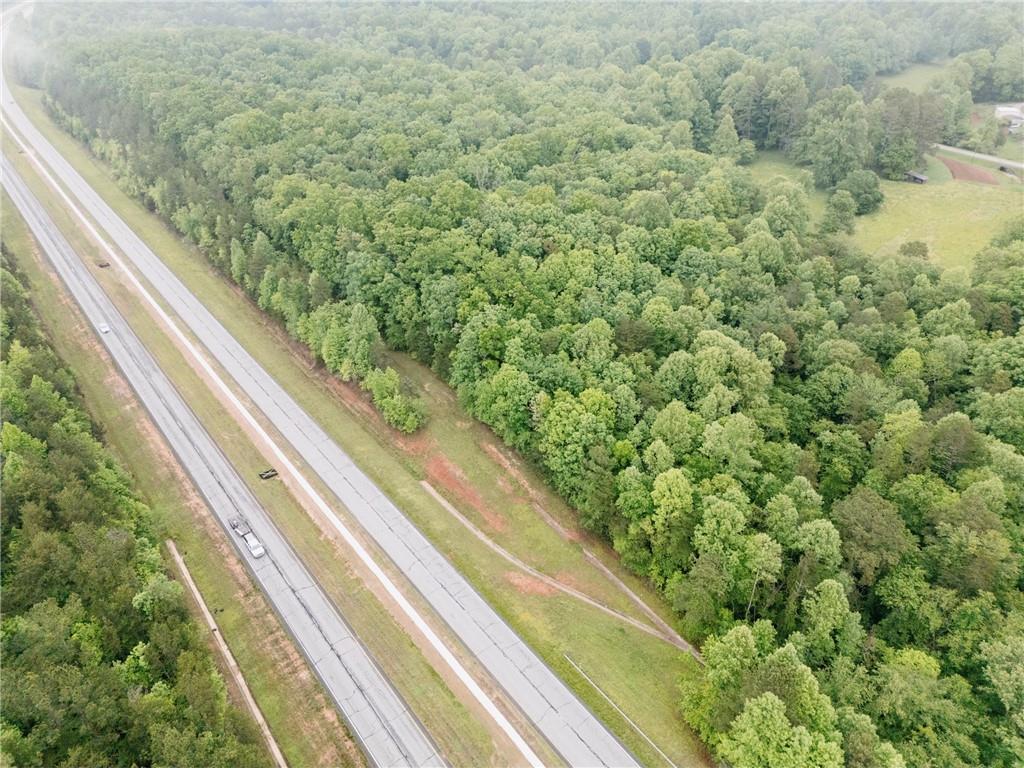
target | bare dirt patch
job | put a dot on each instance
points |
(510, 466)
(418, 444)
(969, 172)
(442, 472)
(528, 585)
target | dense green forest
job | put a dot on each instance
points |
(102, 664)
(815, 455)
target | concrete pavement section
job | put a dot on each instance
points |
(575, 733)
(388, 732)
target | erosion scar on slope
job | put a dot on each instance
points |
(544, 578)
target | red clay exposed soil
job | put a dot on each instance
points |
(510, 466)
(419, 443)
(441, 472)
(968, 172)
(528, 585)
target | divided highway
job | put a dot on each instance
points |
(388, 732)
(575, 733)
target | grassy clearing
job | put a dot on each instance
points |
(290, 698)
(936, 170)
(770, 164)
(461, 738)
(639, 672)
(955, 218)
(916, 77)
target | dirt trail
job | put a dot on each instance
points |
(548, 580)
(665, 629)
(968, 172)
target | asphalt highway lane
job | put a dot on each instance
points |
(388, 732)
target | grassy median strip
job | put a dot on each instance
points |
(459, 452)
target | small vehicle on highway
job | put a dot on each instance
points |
(104, 328)
(241, 527)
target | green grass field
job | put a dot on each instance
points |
(639, 672)
(955, 218)
(916, 77)
(770, 164)
(935, 170)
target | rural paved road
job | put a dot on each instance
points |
(980, 156)
(388, 732)
(573, 731)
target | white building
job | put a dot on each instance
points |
(1012, 115)
(1010, 112)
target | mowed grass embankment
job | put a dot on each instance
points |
(639, 672)
(290, 698)
(460, 736)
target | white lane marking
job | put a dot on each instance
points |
(92, 300)
(627, 718)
